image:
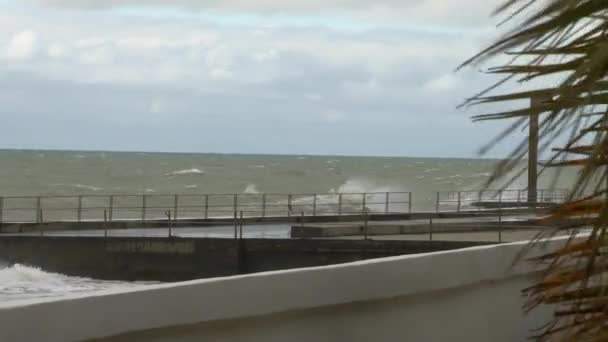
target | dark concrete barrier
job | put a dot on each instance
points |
(173, 259)
(325, 231)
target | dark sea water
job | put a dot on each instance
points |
(51, 173)
(38, 173)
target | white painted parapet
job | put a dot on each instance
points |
(468, 295)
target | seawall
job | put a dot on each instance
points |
(174, 259)
(471, 294)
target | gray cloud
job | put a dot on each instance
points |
(431, 12)
(181, 85)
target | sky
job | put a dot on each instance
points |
(349, 77)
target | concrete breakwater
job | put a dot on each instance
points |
(418, 226)
(471, 294)
(174, 259)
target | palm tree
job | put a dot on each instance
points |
(558, 51)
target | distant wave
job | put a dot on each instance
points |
(251, 189)
(80, 186)
(192, 171)
(191, 186)
(481, 174)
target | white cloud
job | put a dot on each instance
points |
(443, 83)
(21, 45)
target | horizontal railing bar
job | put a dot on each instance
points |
(202, 194)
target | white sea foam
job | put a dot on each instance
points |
(352, 198)
(79, 186)
(191, 186)
(251, 189)
(193, 171)
(21, 282)
(481, 174)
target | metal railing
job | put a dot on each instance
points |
(495, 199)
(149, 207)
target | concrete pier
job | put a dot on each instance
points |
(415, 227)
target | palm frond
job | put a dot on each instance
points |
(565, 41)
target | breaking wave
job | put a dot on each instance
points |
(193, 171)
(22, 282)
(352, 198)
(251, 189)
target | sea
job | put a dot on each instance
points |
(50, 173)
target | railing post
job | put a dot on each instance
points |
(499, 226)
(235, 226)
(437, 202)
(170, 222)
(263, 205)
(340, 204)
(459, 198)
(1, 209)
(79, 214)
(541, 194)
(386, 202)
(38, 205)
(289, 205)
(235, 203)
(105, 223)
(206, 207)
(499, 215)
(111, 208)
(365, 224)
(499, 200)
(175, 207)
(431, 229)
(144, 204)
(241, 226)
(363, 201)
(518, 196)
(314, 205)
(409, 202)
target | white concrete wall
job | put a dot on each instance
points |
(465, 295)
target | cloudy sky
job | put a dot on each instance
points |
(353, 77)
